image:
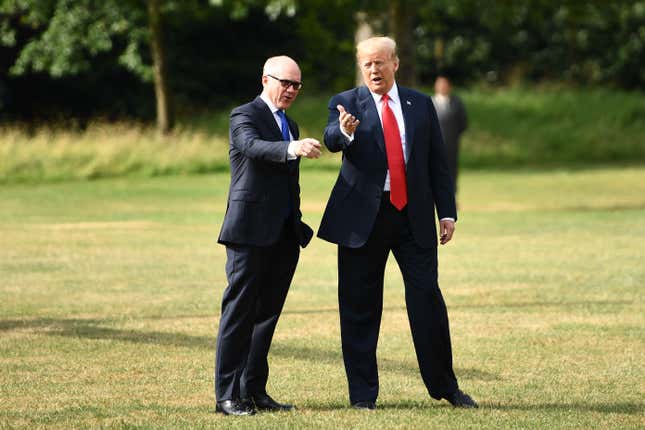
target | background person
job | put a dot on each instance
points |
(452, 119)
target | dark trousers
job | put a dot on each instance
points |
(258, 281)
(360, 294)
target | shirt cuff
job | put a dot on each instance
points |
(291, 151)
(447, 219)
(349, 137)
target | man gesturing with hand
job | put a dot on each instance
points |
(392, 178)
(262, 231)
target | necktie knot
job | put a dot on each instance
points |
(385, 98)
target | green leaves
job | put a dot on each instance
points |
(69, 33)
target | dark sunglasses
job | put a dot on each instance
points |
(286, 83)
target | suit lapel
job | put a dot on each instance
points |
(408, 113)
(293, 127)
(370, 116)
(268, 119)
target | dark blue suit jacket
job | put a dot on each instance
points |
(264, 190)
(356, 196)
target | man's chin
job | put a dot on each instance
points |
(377, 89)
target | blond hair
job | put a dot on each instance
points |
(378, 42)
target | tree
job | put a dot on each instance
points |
(398, 19)
(165, 117)
(401, 25)
(63, 37)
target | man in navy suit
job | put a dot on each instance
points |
(393, 176)
(262, 231)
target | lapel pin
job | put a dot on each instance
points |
(408, 103)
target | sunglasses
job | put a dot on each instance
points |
(286, 83)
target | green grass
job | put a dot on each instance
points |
(553, 126)
(509, 128)
(111, 292)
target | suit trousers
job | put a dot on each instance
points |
(360, 295)
(258, 282)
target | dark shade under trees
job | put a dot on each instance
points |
(82, 58)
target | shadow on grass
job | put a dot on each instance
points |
(604, 408)
(93, 329)
(630, 408)
(537, 304)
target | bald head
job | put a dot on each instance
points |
(275, 65)
(276, 73)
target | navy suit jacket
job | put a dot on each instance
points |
(264, 190)
(356, 196)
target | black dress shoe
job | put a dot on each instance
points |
(459, 399)
(364, 405)
(264, 402)
(234, 407)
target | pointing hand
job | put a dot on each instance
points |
(348, 122)
(307, 147)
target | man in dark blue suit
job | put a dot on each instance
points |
(393, 176)
(262, 231)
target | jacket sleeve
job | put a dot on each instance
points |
(245, 137)
(334, 139)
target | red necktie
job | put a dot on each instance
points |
(395, 160)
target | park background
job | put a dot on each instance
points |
(113, 185)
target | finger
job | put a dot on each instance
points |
(340, 108)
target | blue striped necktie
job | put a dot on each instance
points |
(284, 125)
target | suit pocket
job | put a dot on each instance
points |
(247, 196)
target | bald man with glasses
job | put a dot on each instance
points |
(263, 233)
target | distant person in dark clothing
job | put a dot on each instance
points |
(452, 119)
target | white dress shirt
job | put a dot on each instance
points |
(291, 150)
(395, 105)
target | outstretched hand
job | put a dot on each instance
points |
(348, 122)
(307, 147)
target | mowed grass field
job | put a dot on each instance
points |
(110, 293)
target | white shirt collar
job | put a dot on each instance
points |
(393, 94)
(266, 100)
(441, 98)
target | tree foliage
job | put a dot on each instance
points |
(64, 36)
(66, 52)
(592, 42)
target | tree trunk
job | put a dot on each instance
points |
(165, 120)
(401, 23)
(363, 31)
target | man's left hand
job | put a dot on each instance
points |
(446, 229)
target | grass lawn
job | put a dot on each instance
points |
(508, 128)
(110, 293)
